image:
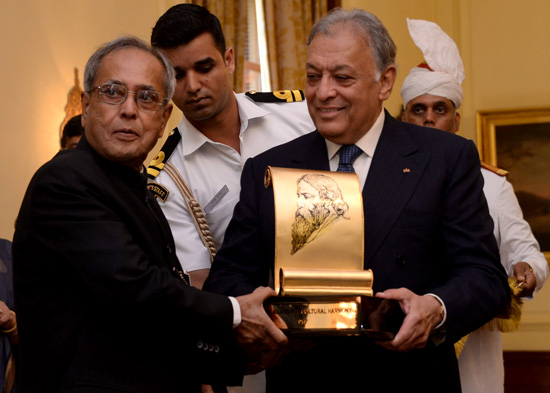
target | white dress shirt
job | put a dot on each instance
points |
(367, 144)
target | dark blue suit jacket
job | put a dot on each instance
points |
(427, 228)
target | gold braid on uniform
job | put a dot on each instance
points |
(506, 323)
(203, 226)
(194, 208)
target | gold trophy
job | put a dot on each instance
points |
(319, 276)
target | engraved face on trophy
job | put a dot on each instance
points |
(323, 289)
(320, 205)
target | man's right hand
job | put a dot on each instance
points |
(8, 322)
(257, 333)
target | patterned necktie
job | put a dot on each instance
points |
(348, 154)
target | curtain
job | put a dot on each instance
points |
(232, 16)
(287, 28)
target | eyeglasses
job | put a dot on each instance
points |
(114, 94)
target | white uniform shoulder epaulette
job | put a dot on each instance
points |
(157, 164)
(494, 169)
(276, 96)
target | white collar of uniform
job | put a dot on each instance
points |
(193, 139)
(367, 143)
(248, 109)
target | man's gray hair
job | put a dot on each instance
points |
(367, 25)
(129, 42)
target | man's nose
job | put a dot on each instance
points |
(129, 107)
(325, 89)
(193, 82)
(429, 117)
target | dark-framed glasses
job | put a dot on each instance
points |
(114, 94)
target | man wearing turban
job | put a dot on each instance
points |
(432, 94)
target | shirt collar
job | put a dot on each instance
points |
(367, 143)
(248, 109)
(193, 139)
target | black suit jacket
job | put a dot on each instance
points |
(427, 228)
(99, 307)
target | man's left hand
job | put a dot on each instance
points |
(423, 314)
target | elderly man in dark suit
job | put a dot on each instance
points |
(428, 233)
(101, 302)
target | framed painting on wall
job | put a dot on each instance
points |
(518, 140)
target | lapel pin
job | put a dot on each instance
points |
(406, 170)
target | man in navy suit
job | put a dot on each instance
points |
(428, 233)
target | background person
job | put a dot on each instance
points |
(431, 94)
(219, 131)
(72, 132)
(8, 320)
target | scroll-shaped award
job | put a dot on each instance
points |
(319, 276)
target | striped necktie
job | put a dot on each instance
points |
(348, 154)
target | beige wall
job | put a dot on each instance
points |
(42, 42)
(503, 44)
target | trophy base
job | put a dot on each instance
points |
(315, 316)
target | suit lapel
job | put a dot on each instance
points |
(396, 168)
(311, 153)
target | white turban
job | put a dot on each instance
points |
(446, 72)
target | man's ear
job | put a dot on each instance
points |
(167, 111)
(457, 121)
(229, 59)
(387, 79)
(84, 102)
